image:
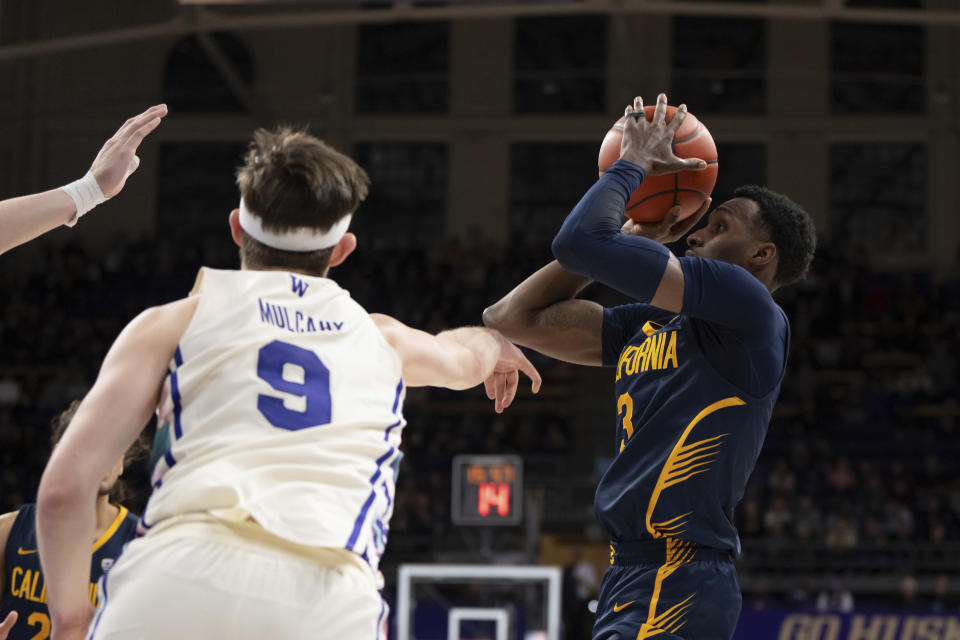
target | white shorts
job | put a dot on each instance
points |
(214, 579)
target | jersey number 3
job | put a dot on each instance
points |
(296, 371)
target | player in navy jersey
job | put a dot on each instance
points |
(23, 592)
(698, 364)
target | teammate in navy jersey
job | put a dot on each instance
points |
(23, 592)
(699, 361)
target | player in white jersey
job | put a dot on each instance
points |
(279, 431)
(24, 218)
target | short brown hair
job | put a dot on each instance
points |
(291, 180)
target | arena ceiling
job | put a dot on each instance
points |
(205, 16)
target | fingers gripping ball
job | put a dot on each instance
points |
(657, 194)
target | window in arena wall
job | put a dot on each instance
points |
(719, 64)
(740, 163)
(407, 201)
(876, 68)
(897, 4)
(403, 68)
(192, 83)
(547, 179)
(878, 195)
(195, 193)
(559, 64)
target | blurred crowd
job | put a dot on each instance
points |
(861, 451)
(63, 306)
(863, 444)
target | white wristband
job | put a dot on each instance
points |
(85, 193)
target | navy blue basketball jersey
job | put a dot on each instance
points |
(694, 396)
(24, 588)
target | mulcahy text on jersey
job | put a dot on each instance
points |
(292, 320)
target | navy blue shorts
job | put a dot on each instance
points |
(670, 590)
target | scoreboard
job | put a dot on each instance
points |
(487, 490)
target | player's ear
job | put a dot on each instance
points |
(236, 231)
(763, 254)
(343, 249)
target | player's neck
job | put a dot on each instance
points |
(106, 514)
(765, 274)
(243, 267)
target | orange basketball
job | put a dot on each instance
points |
(658, 194)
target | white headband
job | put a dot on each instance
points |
(300, 239)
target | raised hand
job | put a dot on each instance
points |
(501, 385)
(670, 229)
(649, 144)
(117, 158)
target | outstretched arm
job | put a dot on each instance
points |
(459, 359)
(24, 218)
(542, 313)
(590, 242)
(107, 422)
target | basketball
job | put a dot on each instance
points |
(658, 194)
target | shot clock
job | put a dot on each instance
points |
(487, 490)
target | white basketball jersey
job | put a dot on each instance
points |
(284, 406)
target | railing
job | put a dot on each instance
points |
(766, 556)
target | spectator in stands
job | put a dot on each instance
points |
(835, 598)
(841, 535)
(873, 531)
(781, 479)
(909, 598)
(899, 520)
(943, 601)
(899, 482)
(81, 299)
(778, 518)
(749, 519)
(840, 477)
(808, 523)
(580, 584)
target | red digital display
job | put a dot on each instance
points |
(487, 490)
(490, 495)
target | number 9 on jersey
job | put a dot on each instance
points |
(272, 360)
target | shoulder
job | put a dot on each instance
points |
(394, 334)
(172, 317)
(128, 528)
(630, 318)
(122, 530)
(715, 282)
(623, 323)
(724, 274)
(131, 520)
(6, 525)
(12, 523)
(391, 328)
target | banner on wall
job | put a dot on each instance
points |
(778, 624)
